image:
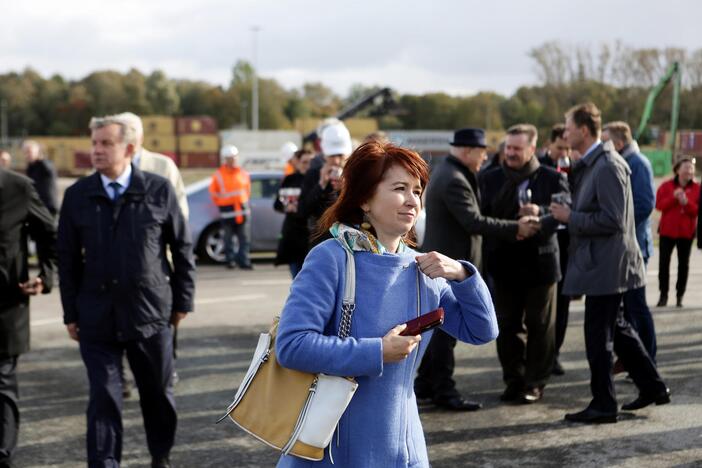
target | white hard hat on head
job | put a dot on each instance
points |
(228, 151)
(336, 139)
(288, 149)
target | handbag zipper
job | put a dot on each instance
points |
(245, 385)
(301, 419)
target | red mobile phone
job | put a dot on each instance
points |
(424, 322)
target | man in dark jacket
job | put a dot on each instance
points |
(43, 174)
(605, 261)
(21, 213)
(525, 273)
(454, 225)
(119, 291)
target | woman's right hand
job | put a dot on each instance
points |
(395, 347)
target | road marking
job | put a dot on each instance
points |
(271, 282)
(240, 297)
(42, 322)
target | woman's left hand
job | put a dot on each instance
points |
(436, 265)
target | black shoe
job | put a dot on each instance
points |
(457, 403)
(512, 393)
(532, 395)
(557, 368)
(231, 265)
(662, 301)
(591, 416)
(679, 303)
(160, 462)
(643, 401)
(247, 267)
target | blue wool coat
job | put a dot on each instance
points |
(381, 426)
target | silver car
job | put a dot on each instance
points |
(265, 221)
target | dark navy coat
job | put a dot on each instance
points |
(116, 280)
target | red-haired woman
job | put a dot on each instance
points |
(374, 218)
(677, 200)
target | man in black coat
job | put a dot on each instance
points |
(454, 226)
(524, 273)
(120, 292)
(43, 174)
(21, 214)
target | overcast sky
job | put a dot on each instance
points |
(458, 47)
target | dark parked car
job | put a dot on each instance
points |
(265, 221)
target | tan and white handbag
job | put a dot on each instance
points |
(292, 411)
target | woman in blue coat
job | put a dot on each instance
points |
(374, 216)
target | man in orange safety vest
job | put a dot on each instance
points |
(230, 190)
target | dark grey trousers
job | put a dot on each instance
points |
(9, 410)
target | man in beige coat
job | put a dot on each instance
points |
(157, 163)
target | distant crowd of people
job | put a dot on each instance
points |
(507, 244)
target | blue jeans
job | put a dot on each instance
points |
(241, 231)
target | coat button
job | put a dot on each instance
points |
(114, 281)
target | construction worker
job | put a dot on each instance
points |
(230, 190)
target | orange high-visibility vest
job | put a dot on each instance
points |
(231, 187)
(289, 169)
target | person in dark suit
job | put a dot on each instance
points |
(525, 273)
(294, 234)
(43, 174)
(559, 150)
(22, 213)
(119, 291)
(454, 225)
(605, 261)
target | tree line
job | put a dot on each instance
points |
(614, 76)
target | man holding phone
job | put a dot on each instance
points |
(321, 185)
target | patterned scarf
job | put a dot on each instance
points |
(359, 240)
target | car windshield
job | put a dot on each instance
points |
(265, 188)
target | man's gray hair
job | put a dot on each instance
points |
(129, 131)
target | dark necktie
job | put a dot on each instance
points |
(115, 189)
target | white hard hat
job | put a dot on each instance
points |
(336, 139)
(228, 151)
(288, 149)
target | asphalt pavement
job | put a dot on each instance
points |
(216, 343)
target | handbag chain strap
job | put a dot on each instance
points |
(418, 296)
(348, 306)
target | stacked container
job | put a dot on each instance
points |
(160, 136)
(198, 141)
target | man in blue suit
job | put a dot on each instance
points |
(636, 310)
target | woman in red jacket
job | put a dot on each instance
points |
(677, 200)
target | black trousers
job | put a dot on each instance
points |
(9, 410)
(562, 313)
(607, 330)
(684, 246)
(435, 373)
(526, 343)
(151, 361)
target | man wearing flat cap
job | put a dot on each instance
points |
(454, 227)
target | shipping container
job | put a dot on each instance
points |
(158, 125)
(60, 150)
(199, 159)
(198, 143)
(201, 125)
(161, 143)
(690, 141)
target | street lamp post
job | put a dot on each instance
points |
(254, 88)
